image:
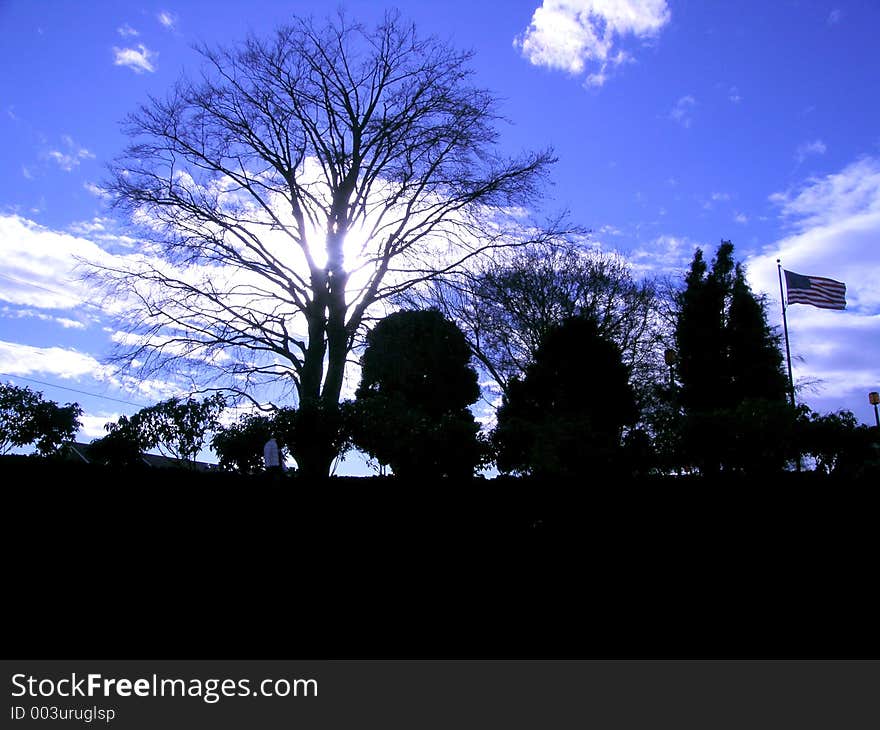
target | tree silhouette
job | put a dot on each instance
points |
(27, 418)
(755, 358)
(122, 447)
(506, 308)
(412, 403)
(176, 427)
(840, 445)
(732, 387)
(566, 416)
(296, 183)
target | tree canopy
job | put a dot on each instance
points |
(566, 415)
(177, 427)
(508, 306)
(732, 386)
(412, 403)
(28, 418)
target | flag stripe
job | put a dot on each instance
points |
(817, 291)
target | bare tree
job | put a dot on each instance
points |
(508, 307)
(297, 183)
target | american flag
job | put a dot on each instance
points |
(816, 290)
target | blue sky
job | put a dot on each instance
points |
(676, 124)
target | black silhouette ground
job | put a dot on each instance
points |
(166, 564)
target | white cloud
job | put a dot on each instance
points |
(569, 34)
(25, 360)
(93, 426)
(26, 173)
(681, 112)
(720, 196)
(71, 157)
(126, 31)
(734, 95)
(167, 19)
(740, 218)
(835, 224)
(39, 265)
(138, 61)
(816, 147)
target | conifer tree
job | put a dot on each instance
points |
(729, 369)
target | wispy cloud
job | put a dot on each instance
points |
(740, 218)
(848, 195)
(167, 19)
(567, 35)
(733, 95)
(97, 191)
(140, 60)
(665, 254)
(85, 228)
(126, 31)
(70, 157)
(65, 322)
(835, 16)
(807, 149)
(682, 110)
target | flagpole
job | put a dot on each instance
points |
(785, 330)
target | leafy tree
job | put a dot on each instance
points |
(16, 406)
(240, 446)
(122, 447)
(412, 403)
(297, 182)
(732, 386)
(566, 416)
(27, 418)
(176, 427)
(839, 444)
(179, 427)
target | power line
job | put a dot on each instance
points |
(73, 390)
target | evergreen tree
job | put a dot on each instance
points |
(412, 402)
(754, 357)
(729, 366)
(566, 415)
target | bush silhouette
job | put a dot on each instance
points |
(411, 409)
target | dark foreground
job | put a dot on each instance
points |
(163, 564)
